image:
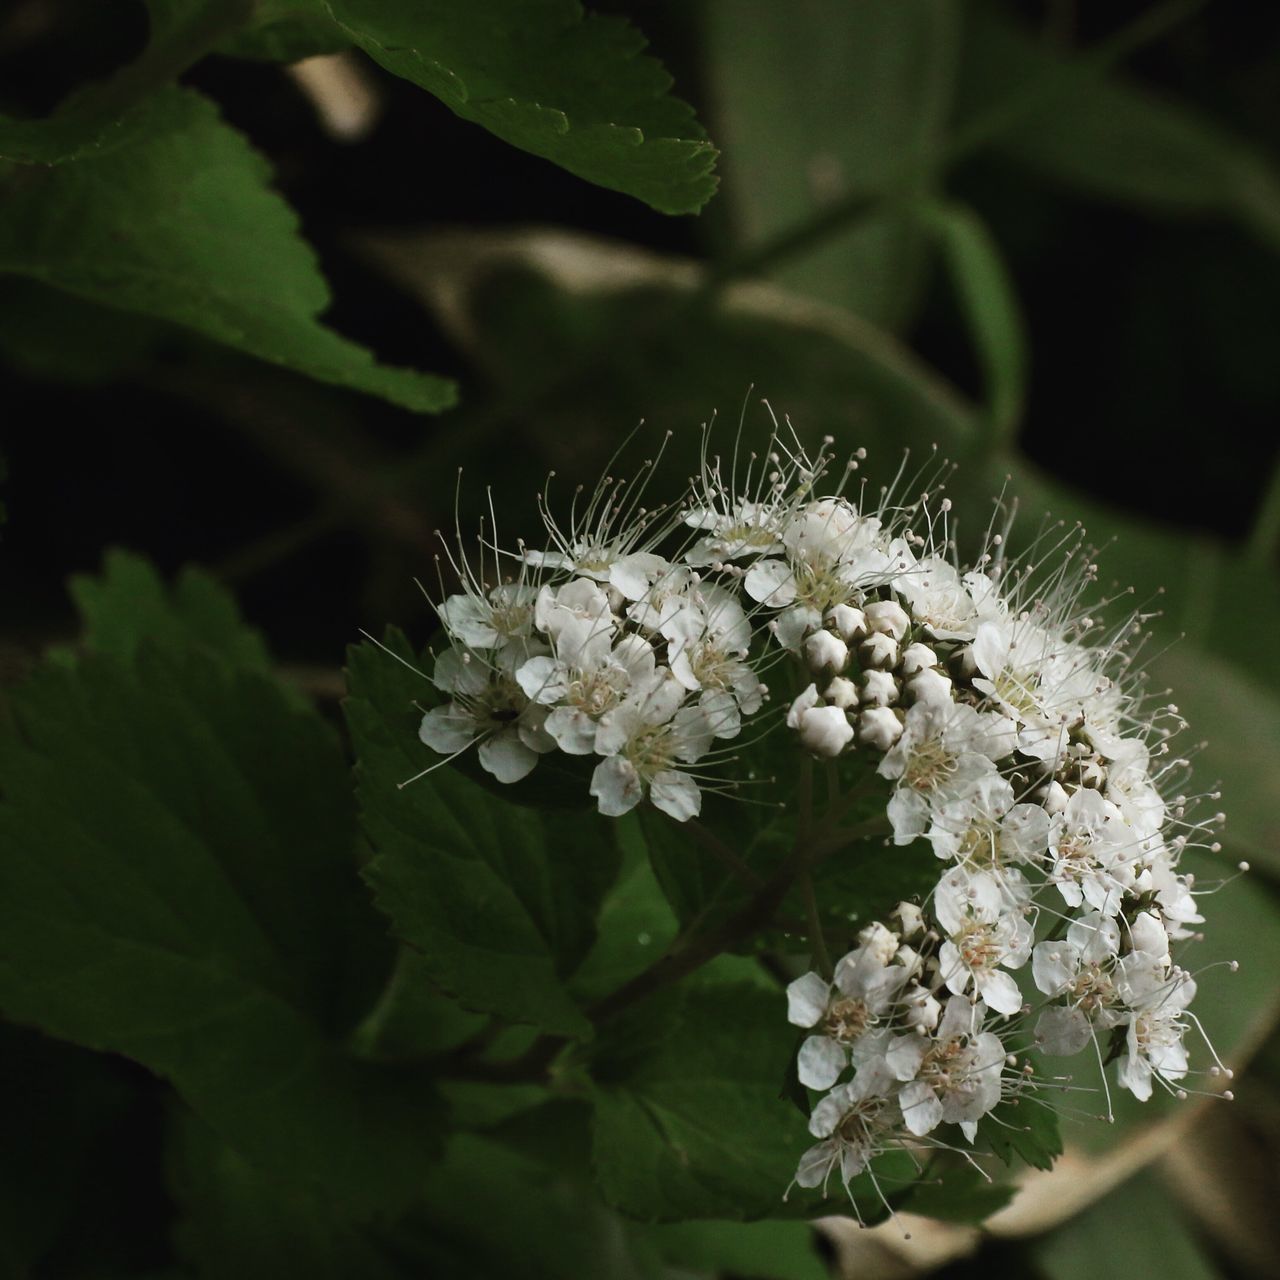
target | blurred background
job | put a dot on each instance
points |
(1042, 236)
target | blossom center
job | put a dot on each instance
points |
(847, 1019)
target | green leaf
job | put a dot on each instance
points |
(499, 900)
(550, 1221)
(234, 1220)
(64, 1113)
(413, 1018)
(989, 304)
(179, 885)
(102, 117)
(636, 923)
(130, 605)
(956, 1192)
(876, 81)
(776, 1250)
(281, 33)
(1114, 139)
(689, 1118)
(182, 226)
(45, 333)
(571, 87)
(1117, 1236)
(1025, 1128)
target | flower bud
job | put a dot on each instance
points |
(917, 657)
(842, 693)
(963, 664)
(850, 623)
(825, 652)
(879, 650)
(928, 686)
(910, 917)
(877, 943)
(1053, 796)
(807, 700)
(1092, 775)
(879, 727)
(888, 616)
(923, 1009)
(825, 731)
(879, 688)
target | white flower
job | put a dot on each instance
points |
(744, 529)
(866, 985)
(1011, 657)
(708, 644)
(489, 707)
(982, 935)
(856, 1122)
(1153, 1042)
(941, 600)
(643, 740)
(594, 680)
(833, 554)
(985, 830)
(943, 750)
(952, 1077)
(1091, 860)
(1079, 968)
(489, 621)
(628, 571)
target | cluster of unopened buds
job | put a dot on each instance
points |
(1003, 724)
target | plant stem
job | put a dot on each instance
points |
(817, 939)
(721, 851)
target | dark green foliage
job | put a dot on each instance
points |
(232, 267)
(129, 605)
(499, 901)
(576, 89)
(180, 885)
(689, 1121)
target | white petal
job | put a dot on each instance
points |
(807, 999)
(905, 1055)
(1062, 1031)
(454, 675)
(820, 1062)
(470, 620)
(721, 711)
(829, 1111)
(506, 757)
(1054, 965)
(448, 729)
(542, 679)
(999, 991)
(573, 730)
(796, 623)
(616, 786)
(908, 813)
(676, 794)
(816, 1164)
(920, 1107)
(771, 582)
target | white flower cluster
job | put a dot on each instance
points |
(1003, 727)
(598, 647)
